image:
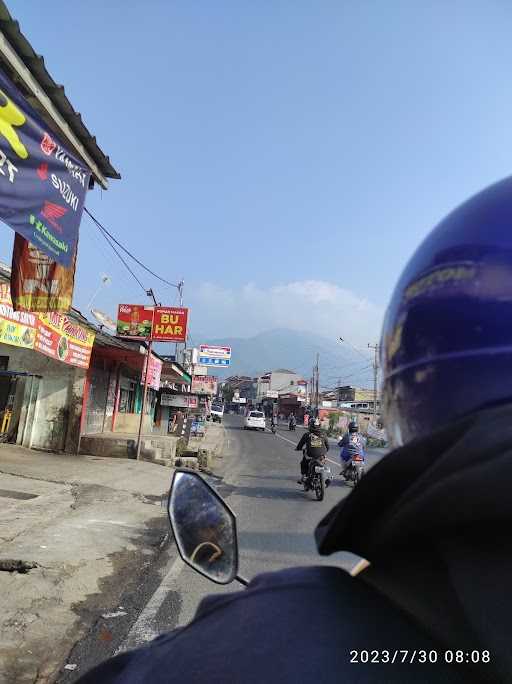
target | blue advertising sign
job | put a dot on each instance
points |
(42, 184)
(213, 361)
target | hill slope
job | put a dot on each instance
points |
(296, 350)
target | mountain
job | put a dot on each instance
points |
(296, 350)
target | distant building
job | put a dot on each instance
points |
(282, 380)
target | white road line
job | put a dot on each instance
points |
(142, 630)
(294, 444)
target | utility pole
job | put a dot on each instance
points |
(145, 365)
(180, 291)
(375, 347)
(317, 389)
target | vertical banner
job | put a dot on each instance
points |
(38, 283)
(155, 371)
(42, 183)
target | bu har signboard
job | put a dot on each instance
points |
(170, 324)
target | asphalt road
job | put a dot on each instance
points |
(275, 519)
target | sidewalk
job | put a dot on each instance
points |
(213, 442)
(80, 520)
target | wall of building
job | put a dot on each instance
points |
(53, 404)
(129, 423)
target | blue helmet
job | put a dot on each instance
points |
(446, 347)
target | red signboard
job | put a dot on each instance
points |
(134, 321)
(170, 324)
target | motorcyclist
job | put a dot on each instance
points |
(292, 421)
(273, 421)
(433, 517)
(352, 444)
(314, 444)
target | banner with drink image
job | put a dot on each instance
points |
(134, 321)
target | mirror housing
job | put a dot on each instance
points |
(204, 527)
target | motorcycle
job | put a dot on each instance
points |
(273, 428)
(291, 426)
(355, 471)
(318, 478)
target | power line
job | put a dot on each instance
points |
(358, 351)
(119, 255)
(127, 251)
(109, 257)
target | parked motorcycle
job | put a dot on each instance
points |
(355, 471)
(318, 478)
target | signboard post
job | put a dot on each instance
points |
(144, 398)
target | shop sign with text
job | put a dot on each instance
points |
(64, 340)
(204, 384)
(170, 324)
(52, 334)
(17, 328)
(178, 400)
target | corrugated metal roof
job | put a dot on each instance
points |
(56, 93)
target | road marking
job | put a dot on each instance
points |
(290, 441)
(142, 629)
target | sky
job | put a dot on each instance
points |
(283, 158)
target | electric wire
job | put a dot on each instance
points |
(110, 258)
(120, 257)
(95, 220)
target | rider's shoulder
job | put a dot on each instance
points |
(299, 624)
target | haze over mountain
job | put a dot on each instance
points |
(296, 350)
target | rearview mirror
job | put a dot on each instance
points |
(204, 527)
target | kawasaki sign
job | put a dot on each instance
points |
(42, 184)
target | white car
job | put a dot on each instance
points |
(255, 420)
(216, 412)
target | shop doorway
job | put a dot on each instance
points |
(18, 392)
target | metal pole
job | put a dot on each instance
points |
(317, 384)
(144, 397)
(180, 290)
(375, 347)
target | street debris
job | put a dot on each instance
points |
(12, 565)
(118, 613)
